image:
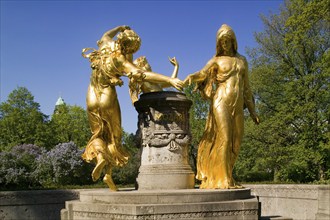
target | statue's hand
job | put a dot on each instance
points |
(188, 80)
(124, 27)
(176, 83)
(173, 61)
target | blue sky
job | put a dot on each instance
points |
(41, 41)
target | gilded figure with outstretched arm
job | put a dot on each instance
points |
(224, 81)
(109, 62)
(141, 86)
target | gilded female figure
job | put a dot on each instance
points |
(112, 60)
(223, 80)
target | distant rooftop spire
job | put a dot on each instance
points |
(60, 101)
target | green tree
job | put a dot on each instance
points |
(197, 119)
(21, 121)
(70, 123)
(290, 75)
(128, 173)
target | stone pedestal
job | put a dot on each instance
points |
(192, 204)
(164, 136)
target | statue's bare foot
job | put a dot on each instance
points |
(108, 180)
(98, 170)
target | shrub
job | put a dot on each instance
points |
(18, 165)
(128, 173)
(63, 165)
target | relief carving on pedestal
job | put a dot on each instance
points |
(163, 129)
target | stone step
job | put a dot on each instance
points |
(162, 196)
(275, 217)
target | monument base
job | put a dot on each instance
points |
(186, 204)
(165, 177)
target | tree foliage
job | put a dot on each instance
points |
(21, 120)
(70, 123)
(197, 119)
(128, 173)
(290, 76)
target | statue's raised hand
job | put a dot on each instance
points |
(173, 61)
(124, 27)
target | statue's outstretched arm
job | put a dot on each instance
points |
(199, 75)
(149, 76)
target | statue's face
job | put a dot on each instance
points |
(226, 44)
(142, 63)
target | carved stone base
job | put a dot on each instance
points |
(164, 136)
(192, 204)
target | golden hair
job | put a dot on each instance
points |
(142, 63)
(129, 41)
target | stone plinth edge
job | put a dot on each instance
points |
(163, 204)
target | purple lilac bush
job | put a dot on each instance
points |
(17, 167)
(29, 166)
(63, 165)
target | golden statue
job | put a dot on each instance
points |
(112, 60)
(137, 86)
(224, 81)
